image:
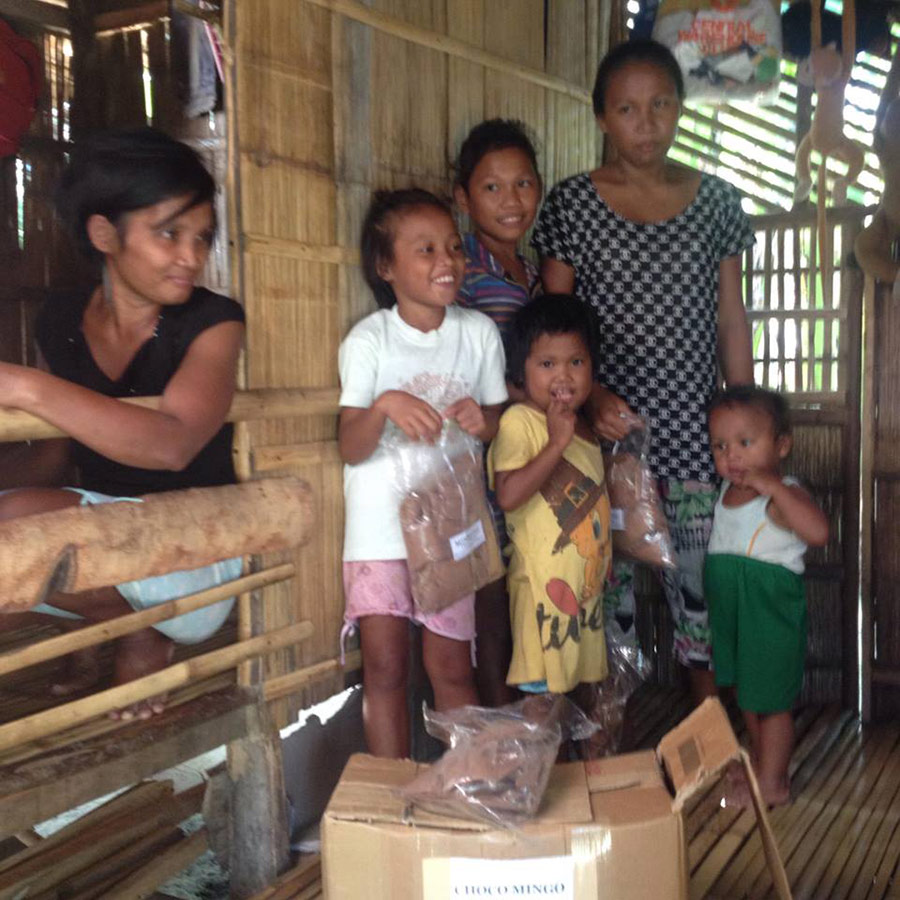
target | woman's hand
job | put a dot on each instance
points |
(611, 417)
(414, 417)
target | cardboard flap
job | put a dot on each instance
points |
(698, 749)
(617, 773)
(367, 792)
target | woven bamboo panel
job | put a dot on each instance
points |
(328, 106)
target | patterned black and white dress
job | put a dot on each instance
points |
(654, 292)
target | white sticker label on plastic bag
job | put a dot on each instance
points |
(462, 544)
(617, 519)
(549, 876)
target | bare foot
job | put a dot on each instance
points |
(81, 671)
(137, 655)
(775, 794)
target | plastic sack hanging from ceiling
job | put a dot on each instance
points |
(727, 49)
(450, 541)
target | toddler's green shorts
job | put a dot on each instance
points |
(757, 614)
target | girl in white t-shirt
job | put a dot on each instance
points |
(412, 364)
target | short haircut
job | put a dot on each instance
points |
(548, 314)
(627, 53)
(749, 396)
(488, 136)
(378, 233)
(113, 173)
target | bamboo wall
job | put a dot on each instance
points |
(881, 506)
(329, 100)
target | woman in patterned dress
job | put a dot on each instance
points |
(654, 250)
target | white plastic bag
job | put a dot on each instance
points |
(450, 540)
(727, 49)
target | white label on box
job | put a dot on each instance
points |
(462, 544)
(549, 876)
(617, 519)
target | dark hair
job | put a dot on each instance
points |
(744, 396)
(622, 55)
(488, 136)
(548, 314)
(112, 173)
(377, 244)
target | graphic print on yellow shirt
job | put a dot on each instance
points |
(560, 557)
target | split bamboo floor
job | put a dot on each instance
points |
(840, 838)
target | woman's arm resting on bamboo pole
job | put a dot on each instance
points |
(192, 408)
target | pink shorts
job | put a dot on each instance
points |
(381, 588)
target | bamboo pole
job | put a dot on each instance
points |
(288, 456)
(51, 648)
(285, 685)
(51, 721)
(162, 867)
(247, 406)
(146, 795)
(433, 40)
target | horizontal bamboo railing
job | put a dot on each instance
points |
(89, 636)
(247, 406)
(59, 718)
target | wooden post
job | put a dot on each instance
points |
(82, 548)
(259, 842)
(867, 495)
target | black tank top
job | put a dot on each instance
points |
(62, 343)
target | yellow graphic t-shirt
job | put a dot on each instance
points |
(560, 557)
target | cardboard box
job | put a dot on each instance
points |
(608, 828)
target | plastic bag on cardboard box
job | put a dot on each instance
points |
(450, 540)
(639, 528)
(726, 50)
(499, 760)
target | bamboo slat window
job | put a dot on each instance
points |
(799, 340)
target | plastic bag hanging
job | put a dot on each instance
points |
(727, 49)
(450, 540)
(639, 529)
(628, 670)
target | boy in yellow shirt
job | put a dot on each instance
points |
(547, 470)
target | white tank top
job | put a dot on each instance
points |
(747, 530)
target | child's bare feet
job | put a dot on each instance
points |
(137, 655)
(81, 671)
(775, 794)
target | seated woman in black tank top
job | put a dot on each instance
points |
(141, 205)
